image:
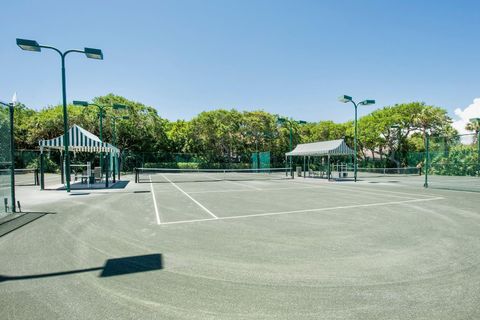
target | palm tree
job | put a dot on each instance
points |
(474, 125)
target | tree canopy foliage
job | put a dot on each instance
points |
(224, 136)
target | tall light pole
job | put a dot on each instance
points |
(289, 123)
(117, 106)
(477, 134)
(114, 141)
(12, 153)
(346, 99)
(32, 45)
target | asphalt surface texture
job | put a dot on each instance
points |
(270, 249)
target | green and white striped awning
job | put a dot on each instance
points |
(80, 140)
(322, 148)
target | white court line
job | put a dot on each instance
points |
(252, 190)
(325, 187)
(306, 210)
(157, 214)
(190, 197)
(244, 185)
(234, 183)
(370, 187)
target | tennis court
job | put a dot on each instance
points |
(253, 245)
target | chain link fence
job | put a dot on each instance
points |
(453, 162)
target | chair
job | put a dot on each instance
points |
(97, 173)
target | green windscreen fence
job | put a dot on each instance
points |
(264, 159)
(260, 160)
(5, 162)
(164, 159)
(453, 162)
(254, 159)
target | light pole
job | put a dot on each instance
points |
(477, 134)
(32, 45)
(289, 123)
(12, 153)
(117, 106)
(346, 99)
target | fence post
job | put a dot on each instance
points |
(427, 159)
(478, 153)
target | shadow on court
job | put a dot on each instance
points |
(19, 220)
(112, 267)
(121, 184)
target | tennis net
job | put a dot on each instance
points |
(23, 177)
(387, 172)
(164, 175)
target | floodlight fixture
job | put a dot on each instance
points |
(93, 53)
(345, 99)
(28, 45)
(80, 103)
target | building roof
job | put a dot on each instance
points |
(80, 140)
(322, 148)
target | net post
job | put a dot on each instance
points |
(36, 181)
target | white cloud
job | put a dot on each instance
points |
(464, 116)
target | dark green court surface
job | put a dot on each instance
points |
(261, 249)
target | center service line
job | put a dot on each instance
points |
(190, 197)
(157, 214)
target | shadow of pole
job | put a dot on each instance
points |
(19, 220)
(112, 267)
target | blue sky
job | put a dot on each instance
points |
(288, 57)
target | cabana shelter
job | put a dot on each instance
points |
(80, 140)
(320, 149)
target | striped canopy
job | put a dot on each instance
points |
(80, 140)
(322, 148)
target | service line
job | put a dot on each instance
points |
(306, 210)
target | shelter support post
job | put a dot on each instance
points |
(304, 165)
(62, 168)
(42, 170)
(106, 164)
(119, 165)
(328, 168)
(114, 178)
(308, 165)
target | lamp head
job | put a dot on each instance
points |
(345, 99)
(367, 102)
(117, 106)
(94, 53)
(28, 45)
(80, 103)
(281, 120)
